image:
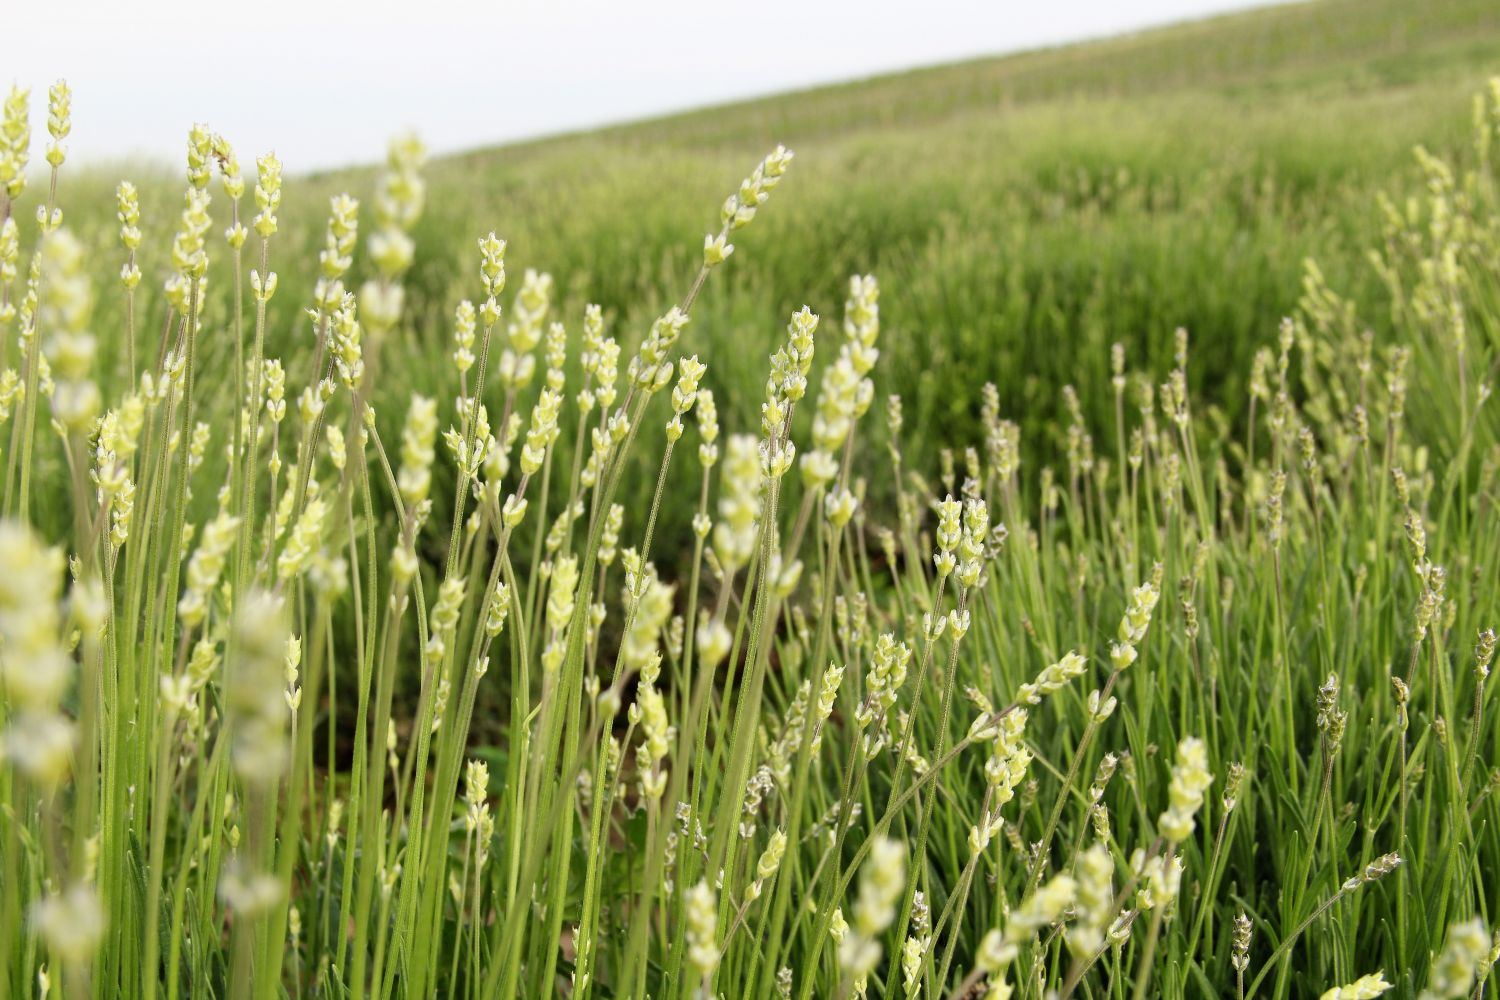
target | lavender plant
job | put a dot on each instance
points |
(311, 695)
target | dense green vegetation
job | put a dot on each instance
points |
(1070, 198)
(1101, 605)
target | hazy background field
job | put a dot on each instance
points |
(1022, 213)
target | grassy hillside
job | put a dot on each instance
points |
(1022, 213)
(1030, 208)
(1307, 49)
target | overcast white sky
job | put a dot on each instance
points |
(325, 82)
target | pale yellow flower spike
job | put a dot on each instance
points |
(1362, 988)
